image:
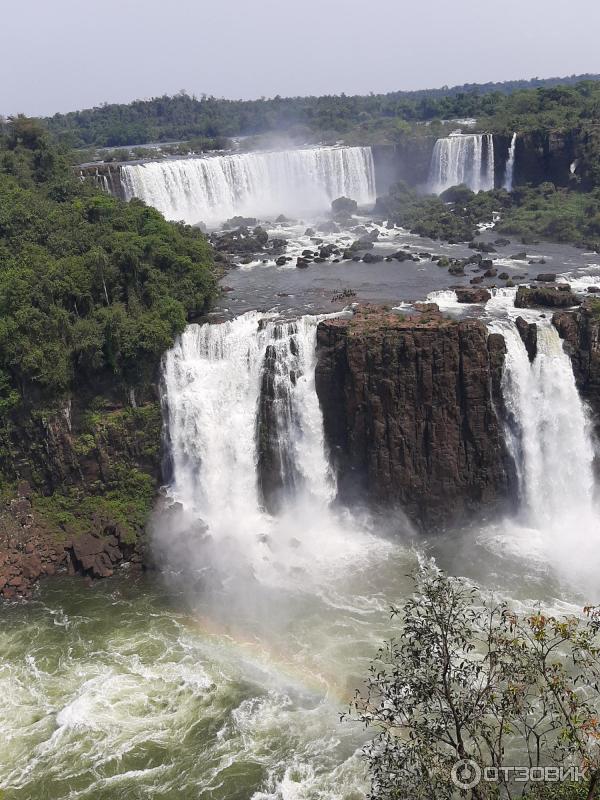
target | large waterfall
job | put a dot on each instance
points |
(509, 175)
(216, 188)
(219, 379)
(462, 158)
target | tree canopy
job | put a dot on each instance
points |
(89, 284)
(162, 119)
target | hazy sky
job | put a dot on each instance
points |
(61, 55)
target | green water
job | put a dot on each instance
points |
(126, 690)
(120, 690)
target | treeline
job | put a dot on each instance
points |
(184, 117)
(90, 286)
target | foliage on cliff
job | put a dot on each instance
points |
(183, 117)
(89, 285)
(558, 215)
(529, 213)
(453, 216)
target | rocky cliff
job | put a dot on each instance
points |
(580, 330)
(78, 482)
(410, 418)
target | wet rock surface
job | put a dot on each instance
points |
(546, 297)
(580, 331)
(409, 408)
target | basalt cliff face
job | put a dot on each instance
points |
(580, 330)
(79, 480)
(410, 414)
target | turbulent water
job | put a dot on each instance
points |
(509, 175)
(213, 189)
(240, 696)
(226, 681)
(549, 435)
(462, 158)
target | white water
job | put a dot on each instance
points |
(510, 164)
(212, 379)
(153, 701)
(265, 575)
(549, 436)
(213, 189)
(462, 158)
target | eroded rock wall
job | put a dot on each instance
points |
(580, 330)
(411, 414)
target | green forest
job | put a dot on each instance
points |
(89, 285)
(554, 101)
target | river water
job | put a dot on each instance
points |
(224, 676)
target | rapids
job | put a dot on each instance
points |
(224, 677)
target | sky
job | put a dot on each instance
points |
(63, 55)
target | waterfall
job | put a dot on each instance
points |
(510, 164)
(214, 383)
(462, 158)
(216, 188)
(548, 433)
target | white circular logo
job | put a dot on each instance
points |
(466, 774)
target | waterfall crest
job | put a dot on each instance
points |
(462, 158)
(510, 164)
(216, 188)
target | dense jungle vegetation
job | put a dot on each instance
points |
(553, 102)
(89, 285)
(528, 213)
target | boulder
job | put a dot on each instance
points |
(545, 296)
(261, 236)
(402, 255)
(472, 295)
(344, 206)
(328, 250)
(546, 277)
(328, 227)
(239, 222)
(371, 258)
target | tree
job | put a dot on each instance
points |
(469, 682)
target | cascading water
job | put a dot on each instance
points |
(510, 164)
(213, 189)
(218, 381)
(462, 158)
(550, 439)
